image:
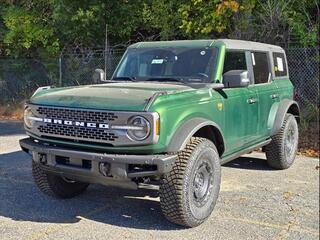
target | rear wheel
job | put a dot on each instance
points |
(189, 192)
(54, 185)
(282, 150)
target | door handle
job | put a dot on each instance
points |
(251, 100)
(274, 96)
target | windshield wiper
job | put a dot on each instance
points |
(168, 79)
(133, 79)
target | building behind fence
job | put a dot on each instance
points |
(20, 77)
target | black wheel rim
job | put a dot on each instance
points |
(290, 141)
(202, 183)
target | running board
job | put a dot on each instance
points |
(245, 151)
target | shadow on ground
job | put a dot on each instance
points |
(20, 199)
(11, 128)
(250, 163)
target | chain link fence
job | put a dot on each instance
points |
(304, 74)
(78, 68)
(20, 77)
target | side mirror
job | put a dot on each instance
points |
(236, 79)
(98, 76)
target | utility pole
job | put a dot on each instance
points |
(106, 53)
(60, 69)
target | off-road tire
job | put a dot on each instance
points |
(176, 194)
(55, 186)
(277, 156)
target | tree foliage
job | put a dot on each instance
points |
(202, 18)
(43, 28)
(283, 21)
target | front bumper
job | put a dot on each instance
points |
(93, 167)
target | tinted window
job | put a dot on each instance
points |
(187, 63)
(260, 67)
(280, 65)
(234, 61)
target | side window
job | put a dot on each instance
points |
(280, 65)
(235, 60)
(260, 67)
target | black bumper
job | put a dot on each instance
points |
(107, 169)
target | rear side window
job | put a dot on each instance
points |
(260, 67)
(280, 65)
(234, 61)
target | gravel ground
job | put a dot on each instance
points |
(255, 202)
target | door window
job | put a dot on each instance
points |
(260, 67)
(280, 65)
(234, 61)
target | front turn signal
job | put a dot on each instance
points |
(157, 127)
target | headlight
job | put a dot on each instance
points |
(28, 115)
(139, 128)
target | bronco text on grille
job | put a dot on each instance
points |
(85, 124)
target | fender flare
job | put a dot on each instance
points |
(284, 107)
(184, 133)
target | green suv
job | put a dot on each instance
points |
(171, 115)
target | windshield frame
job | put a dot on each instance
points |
(188, 80)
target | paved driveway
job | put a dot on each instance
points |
(255, 202)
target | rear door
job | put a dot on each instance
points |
(281, 77)
(266, 89)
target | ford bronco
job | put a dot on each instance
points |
(170, 116)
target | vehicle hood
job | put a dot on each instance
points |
(129, 96)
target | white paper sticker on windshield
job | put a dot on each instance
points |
(157, 61)
(253, 61)
(280, 64)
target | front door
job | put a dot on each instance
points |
(240, 106)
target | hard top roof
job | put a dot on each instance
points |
(229, 43)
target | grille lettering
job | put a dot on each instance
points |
(57, 121)
(103, 125)
(47, 120)
(81, 124)
(91, 125)
(67, 122)
(76, 123)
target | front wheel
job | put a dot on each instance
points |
(56, 186)
(282, 150)
(188, 193)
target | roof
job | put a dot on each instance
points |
(248, 45)
(176, 43)
(229, 43)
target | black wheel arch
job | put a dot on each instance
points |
(197, 127)
(285, 106)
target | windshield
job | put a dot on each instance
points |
(167, 64)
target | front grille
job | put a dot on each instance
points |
(77, 115)
(87, 126)
(77, 132)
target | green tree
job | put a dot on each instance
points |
(42, 28)
(162, 21)
(202, 18)
(28, 34)
(285, 21)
